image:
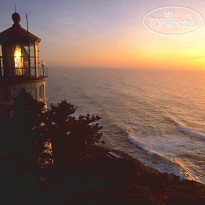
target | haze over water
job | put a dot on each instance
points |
(157, 116)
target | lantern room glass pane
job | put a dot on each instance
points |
(18, 59)
(21, 60)
(32, 54)
(0, 51)
(32, 63)
(37, 59)
(8, 59)
(26, 56)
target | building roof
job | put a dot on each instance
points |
(16, 33)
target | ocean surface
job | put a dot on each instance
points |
(156, 116)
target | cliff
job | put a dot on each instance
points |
(111, 177)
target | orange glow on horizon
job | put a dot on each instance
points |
(130, 47)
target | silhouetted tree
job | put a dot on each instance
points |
(71, 136)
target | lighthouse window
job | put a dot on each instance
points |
(41, 91)
(18, 60)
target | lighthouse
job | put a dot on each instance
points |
(19, 64)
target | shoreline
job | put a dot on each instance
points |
(186, 175)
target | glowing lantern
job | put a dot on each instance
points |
(18, 59)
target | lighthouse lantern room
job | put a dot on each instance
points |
(19, 64)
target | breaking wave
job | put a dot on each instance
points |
(161, 163)
(188, 130)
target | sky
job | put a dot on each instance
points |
(107, 33)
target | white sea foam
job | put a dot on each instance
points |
(189, 131)
(162, 163)
(141, 146)
(145, 148)
(186, 129)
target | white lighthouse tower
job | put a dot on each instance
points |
(19, 64)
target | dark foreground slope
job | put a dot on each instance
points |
(101, 177)
(112, 177)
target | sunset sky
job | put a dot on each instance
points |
(107, 33)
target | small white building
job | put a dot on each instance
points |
(19, 64)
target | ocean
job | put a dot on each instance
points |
(156, 116)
